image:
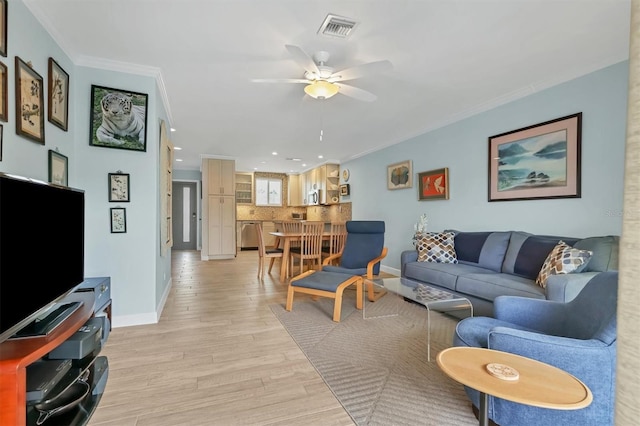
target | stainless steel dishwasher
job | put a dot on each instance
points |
(248, 236)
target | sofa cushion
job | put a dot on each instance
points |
(436, 247)
(484, 249)
(442, 274)
(526, 253)
(605, 252)
(490, 286)
(563, 259)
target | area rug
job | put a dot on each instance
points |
(377, 367)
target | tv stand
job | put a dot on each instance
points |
(17, 354)
(45, 325)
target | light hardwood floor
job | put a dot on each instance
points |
(218, 356)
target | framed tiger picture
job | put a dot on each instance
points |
(118, 119)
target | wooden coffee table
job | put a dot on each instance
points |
(538, 384)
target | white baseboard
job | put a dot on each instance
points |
(163, 300)
(390, 270)
(146, 318)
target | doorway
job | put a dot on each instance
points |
(185, 215)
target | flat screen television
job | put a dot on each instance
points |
(41, 248)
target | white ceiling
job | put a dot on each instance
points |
(451, 59)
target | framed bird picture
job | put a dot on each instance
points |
(433, 185)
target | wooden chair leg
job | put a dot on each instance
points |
(273, 259)
(359, 294)
(371, 294)
(337, 305)
(289, 304)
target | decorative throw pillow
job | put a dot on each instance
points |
(436, 247)
(563, 259)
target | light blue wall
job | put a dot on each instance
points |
(463, 148)
(138, 274)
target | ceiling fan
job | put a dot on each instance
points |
(322, 81)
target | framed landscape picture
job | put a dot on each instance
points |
(433, 185)
(58, 95)
(536, 162)
(3, 28)
(118, 119)
(58, 168)
(29, 102)
(400, 175)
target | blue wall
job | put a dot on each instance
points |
(463, 148)
(140, 276)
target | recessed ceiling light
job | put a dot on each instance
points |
(178, 159)
(320, 156)
(173, 130)
(263, 162)
(304, 165)
(274, 153)
(177, 148)
(255, 168)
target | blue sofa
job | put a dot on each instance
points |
(497, 263)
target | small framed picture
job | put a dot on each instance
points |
(29, 102)
(3, 28)
(433, 185)
(58, 168)
(58, 95)
(118, 220)
(344, 189)
(4, 104)
(400, 175)
(119, 188)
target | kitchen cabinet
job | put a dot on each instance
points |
(221, 227)
(221, 176)
(244, 188)
(267, 228)
(331, 192)
(296, 197)
(219, 209)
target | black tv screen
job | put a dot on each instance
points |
(41, 248)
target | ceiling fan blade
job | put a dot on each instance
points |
(354, 92)
(361, 71)
(301, 57)
(280, 80)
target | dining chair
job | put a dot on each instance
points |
(310, 245)
(292, 227)
(336, 240)
(265, 253)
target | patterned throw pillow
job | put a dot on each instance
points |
(436, 247)
(563, 259)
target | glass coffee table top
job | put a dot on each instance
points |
(434, 299)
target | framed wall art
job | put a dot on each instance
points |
(118, 119)
(345, 189)
(536, 162)
(4, 88)
(58, 168)
(3, 28)
(400, 175)
(58, 95)
(433, 185)
(118, 220)
(119, 187)
(1, 137)
(29, 102)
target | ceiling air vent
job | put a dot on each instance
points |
(337, 26)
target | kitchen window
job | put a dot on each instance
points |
(268, 192)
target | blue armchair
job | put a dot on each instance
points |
(578, 337)
(362, 252)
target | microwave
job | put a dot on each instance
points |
(299, 216)
(314, 197)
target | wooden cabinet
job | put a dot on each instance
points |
(267, 228)
(295, 191)
(222, 227)
(166, 185)
(331, 184)
(219, 210)
(221, 176)
(244, 188)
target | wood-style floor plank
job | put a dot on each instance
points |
(218, 356)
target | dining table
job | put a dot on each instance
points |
(286, 238)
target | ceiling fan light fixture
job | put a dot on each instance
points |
(321, 89)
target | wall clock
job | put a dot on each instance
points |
(345, 175)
